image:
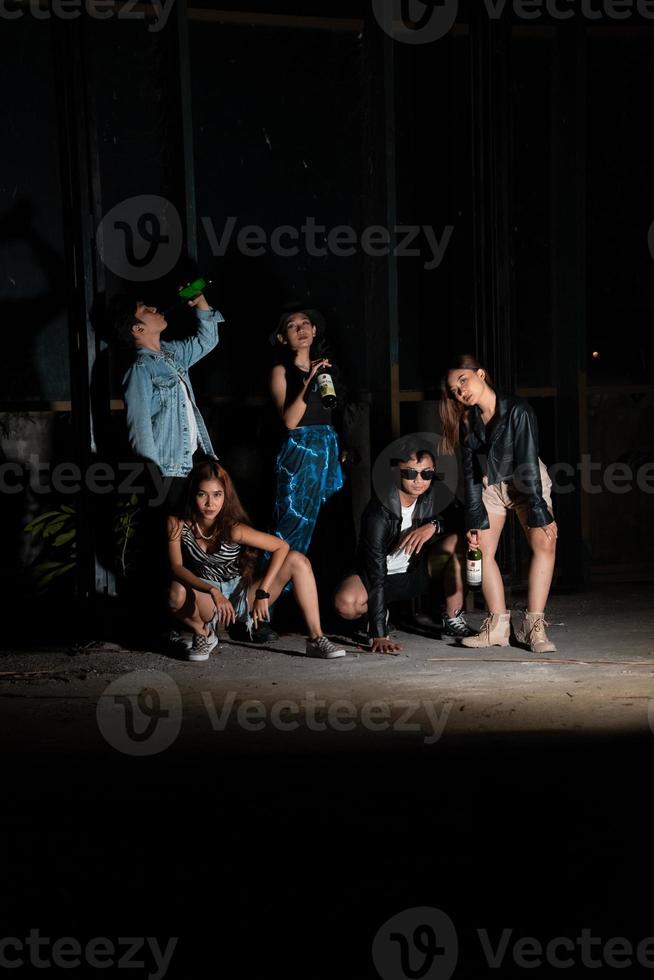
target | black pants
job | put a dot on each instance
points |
(414, 582)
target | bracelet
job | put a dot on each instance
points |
(261, 594)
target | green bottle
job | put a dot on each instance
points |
(193, 289)
(473, 568)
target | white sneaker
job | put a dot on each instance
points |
(324, 649)
(202, 646)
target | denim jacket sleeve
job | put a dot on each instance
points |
(191, 350)
(137, 386)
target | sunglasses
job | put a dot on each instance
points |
(410, 474)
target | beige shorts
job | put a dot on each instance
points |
(500, 497)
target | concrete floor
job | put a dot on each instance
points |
(145, 796)
(601, 680)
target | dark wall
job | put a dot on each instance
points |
(32, 270)
(279, 122)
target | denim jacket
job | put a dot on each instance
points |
(157, 420)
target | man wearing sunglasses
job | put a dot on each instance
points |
(402, 541)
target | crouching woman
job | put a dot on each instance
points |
(214, 554)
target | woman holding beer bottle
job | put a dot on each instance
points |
(502, 471)
(308, 465)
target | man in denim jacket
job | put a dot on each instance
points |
(164, 424)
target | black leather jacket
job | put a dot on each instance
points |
(380, 533)
(509, 450)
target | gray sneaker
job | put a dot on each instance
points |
(178, 639)
(202, 646)
(324, 649)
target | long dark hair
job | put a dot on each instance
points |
(283, 354)
(232, 512)
(453, 414)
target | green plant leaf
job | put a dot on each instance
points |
(54, 527)
(39, 520)
(64, 538)
(60, 569)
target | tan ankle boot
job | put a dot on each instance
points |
(534, 635)
(494, 632)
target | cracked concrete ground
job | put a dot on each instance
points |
(601, 680)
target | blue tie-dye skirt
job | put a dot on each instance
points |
(308, 474)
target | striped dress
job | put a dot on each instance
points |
(221, 566)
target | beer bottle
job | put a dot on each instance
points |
(473, 568)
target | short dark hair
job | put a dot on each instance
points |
(409, 451)
(121, 317)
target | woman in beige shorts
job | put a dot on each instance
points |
(498, 435)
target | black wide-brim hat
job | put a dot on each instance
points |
(315, 316)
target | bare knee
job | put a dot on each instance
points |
(177, 595)
(542, 544)
(346, 605)
(297, 562)
(450, 544)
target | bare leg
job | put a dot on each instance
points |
(452, 573)
(492, 585)
(194, 609)
(351, 599)
(541, 569)
(296, 568)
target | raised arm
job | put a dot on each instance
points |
(192, 349)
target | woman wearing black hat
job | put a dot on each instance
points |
(308, 464)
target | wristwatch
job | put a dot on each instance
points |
(437, 524)
(261, 594)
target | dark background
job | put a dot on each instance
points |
(528, 139)
(533, 140)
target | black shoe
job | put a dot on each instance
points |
(360, 635)
(456, 626)
(239, 633)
